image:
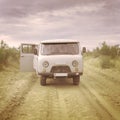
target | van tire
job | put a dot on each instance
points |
(76, 80)
(43, 81)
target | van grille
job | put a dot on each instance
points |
(60, 69)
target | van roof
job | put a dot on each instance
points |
(60, 41)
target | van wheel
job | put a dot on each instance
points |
(76, 80)
(43, 81)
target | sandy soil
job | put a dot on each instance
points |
(96, 98)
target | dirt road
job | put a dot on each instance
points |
(96, 98)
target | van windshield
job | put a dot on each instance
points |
(60, 49)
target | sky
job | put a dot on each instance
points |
(89, 21)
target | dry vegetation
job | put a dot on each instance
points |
(7, 55)
(96, 98)
(109, 56)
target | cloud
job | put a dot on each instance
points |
(15, 8)
(89, 20)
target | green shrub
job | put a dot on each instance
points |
(106, 62)
(117, 63)
(105, 49)
(96, 52)
(7, 53)
(113, 51)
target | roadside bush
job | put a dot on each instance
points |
(114, 51)
(106, 62)
(6, 53)
(4, 56)
(14, 54)
(96, 52)
(117, 64)
(105, 49)
(108, 55)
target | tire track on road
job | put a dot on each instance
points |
(105, 88)
(104, 115)
(74, 104)
(17, 99)
(62, 103)
(52, 104)
(108, 76)
(107, 107)
(41, 103)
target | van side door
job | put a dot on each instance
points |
(26, 57)
(35, 59)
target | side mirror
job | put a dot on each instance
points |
(35, 52)
(84, 50)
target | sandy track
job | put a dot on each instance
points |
(59, 100)
(104, 108)
(108, 85)
(19, 90)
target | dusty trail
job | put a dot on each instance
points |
(105, 109)
(60, 99)
(57, 101)
(20, 90)
(104, 114)
(107, 87)
(76, 105)
(41, 103)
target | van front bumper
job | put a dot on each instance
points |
(51, 75)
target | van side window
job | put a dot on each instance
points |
(27, 48)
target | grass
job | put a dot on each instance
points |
(104, 62)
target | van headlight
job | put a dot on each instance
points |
(75, 63)
(45, 64)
